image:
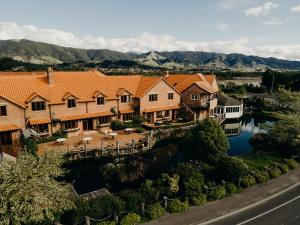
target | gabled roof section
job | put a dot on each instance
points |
(12, 101)
(182, 82)
(120, 91)
(97, 93)
(226, 100)
(68, 95)
(33, 96)
(145, 85)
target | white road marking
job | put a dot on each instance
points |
(271, 210)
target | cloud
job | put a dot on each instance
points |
(274, 22)
(222, 26)
(232, 4)
(261, 10)
(296, 8)
(144, 42)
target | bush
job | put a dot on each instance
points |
(274, 172)
(130, 219)
(155, 211)
(230, 188)
(117, 125)
(97, 208)
(133, 202)
(284, 168)
(261, 177)
(31, 146)
(199, 200)
(292, 164)
(106, 223)
(217, 193)
(177, 206)
(247, 181)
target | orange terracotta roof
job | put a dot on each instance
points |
(9, 127)
(85, 116)
(126, 111)
(181, 82)
(38, 121)
(146, 83)
(161, 108)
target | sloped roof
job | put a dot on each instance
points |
(228, 101)
(181, 82)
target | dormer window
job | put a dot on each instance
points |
(125, 98)
(100, 100)
(3, 110)
(38, 106)
(71, 103)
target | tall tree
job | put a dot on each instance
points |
(206, 142)
(30, 192)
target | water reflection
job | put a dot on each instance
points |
(240, 132)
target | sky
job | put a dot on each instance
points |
(268, 28)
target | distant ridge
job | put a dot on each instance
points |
(43, 53)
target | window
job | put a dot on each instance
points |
(232, 109)
(41, 128)
(70, 124)
(153, 97)
(71, 103)
(3, 111)
(100, 100)
(194, 97)
(125, 98)
(103, 119)
(38, 106)
(127, 116)
(170, 96)
(159, 114)
(167, 113)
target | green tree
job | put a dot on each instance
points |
(285, 135)
(231, 169)
(288, 100)
(30, 192)
(207, 141)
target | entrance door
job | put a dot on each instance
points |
(5, 138)
(87, 124)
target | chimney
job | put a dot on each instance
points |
(167, 74)
(50, 76)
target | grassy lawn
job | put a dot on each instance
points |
(258, 161)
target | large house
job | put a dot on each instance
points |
(77, 101)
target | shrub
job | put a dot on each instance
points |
(230, 188)
(97, 208)
(106, 223)
(177, 206)
(155, 211)
(284, 168)
(217, 193)
(261, 177)
(199, 200)
(274, 172)
(247, 181)
(292, 164)
(117, 125)
(133, 202)
(130, 219)
(31, 146)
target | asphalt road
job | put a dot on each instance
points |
(281, 210)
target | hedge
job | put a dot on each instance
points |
(274, 172)
(284, 168)
(230, 188)
(199, 200)
(261, 177)
(217, 193)
(247, 181)
(292, 164)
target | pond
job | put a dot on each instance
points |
(240, 132)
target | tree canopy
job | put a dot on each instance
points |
(207, 141)
(30, 192)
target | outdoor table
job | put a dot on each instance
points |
(87, 139)
(128, 130)
(61, 141)
(113, 135)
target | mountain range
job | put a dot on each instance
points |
(43, 53)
